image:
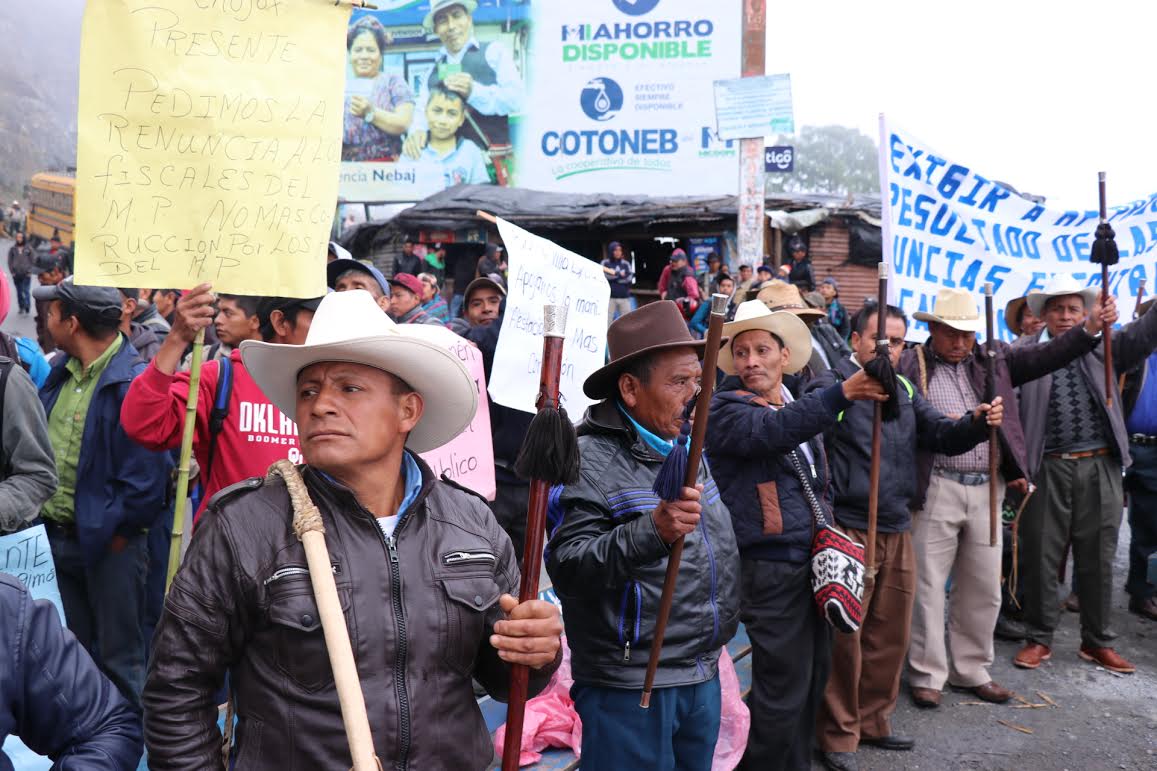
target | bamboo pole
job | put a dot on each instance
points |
(182, 494)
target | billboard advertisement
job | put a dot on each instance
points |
(605, 95)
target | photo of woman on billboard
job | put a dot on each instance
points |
(379, 106)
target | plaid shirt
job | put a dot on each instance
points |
(950, 391)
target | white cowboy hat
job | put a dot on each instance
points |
(785, 325)
(349, 326)
(440, 5)
(954, 308)
(1060, 285)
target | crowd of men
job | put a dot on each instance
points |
(347, 386)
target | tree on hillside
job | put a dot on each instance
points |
(829, 159)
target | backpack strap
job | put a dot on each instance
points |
(907, 386)
(221, 399)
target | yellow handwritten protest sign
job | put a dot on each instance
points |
(209, 143)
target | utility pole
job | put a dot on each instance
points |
(751, 225)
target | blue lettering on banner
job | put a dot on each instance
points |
(610, 142)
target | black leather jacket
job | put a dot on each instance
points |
(53, 696)
(607, 562)
(420, 608)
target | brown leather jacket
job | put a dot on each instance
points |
(420, 608)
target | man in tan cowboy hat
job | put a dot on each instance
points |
(756, 426)
(828, 347)
(950, 531)
(423, 572)
(1076, 446)
(609, 539)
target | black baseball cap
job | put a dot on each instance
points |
(100, 301)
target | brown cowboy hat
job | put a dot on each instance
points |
(1012, 314)
(782, 296)
(657, 326)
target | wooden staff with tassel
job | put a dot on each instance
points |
(877, 429)
(694, 454)
(549, 456)
(1104, 253)
(182, 493)
(993, 432)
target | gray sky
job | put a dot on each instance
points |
(1039, 95)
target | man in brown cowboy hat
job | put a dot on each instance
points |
(1077, 444)
(950, 532)
(423, 572)
(609, 539)
(828, 347)
(1019, 318)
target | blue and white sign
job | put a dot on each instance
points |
(947, 224)
(779, 159)
(28, 556)
(754, 107)
(617, 97)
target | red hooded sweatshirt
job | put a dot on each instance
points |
(253, 436)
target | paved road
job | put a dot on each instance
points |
(23, 326)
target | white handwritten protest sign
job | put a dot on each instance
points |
(948, 225)
(543, 273)
(209, 143)
(28, 556)
(468, 458)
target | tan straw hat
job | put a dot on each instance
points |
(788, 327)
(954, 308)
(350, 327)
(782, 296)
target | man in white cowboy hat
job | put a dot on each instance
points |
(1140, 402)
(1076, 445)
(950, 531)
(609, 540)
(756, 425)
(423, 572)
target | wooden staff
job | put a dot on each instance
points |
(882, 349)
(553, 337)
(698, 435)
(993, 435)
(1136, 313)
(310, 530)
(182, 493)
(1106, 331)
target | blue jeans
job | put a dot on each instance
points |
(678, 731)
(1141, 484)
(104, 605)
(456, 306)
(23, 292)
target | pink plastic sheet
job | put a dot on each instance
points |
(551, 719)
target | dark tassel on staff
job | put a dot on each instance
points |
(674, 469)
(1105, 253)
(550, 449)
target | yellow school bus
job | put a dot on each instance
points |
(51, 206)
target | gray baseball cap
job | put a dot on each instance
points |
(100, 301)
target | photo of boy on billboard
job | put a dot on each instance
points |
(459, 159)
(483, 74)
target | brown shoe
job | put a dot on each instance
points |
(1072, 604)
(1145, 608)
(993, 692)
(926, 698)
(1032, 655)
(1107, 658)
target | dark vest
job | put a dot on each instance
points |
(675, 288)
(496, 128)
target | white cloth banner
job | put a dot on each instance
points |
(543, 273)
(947, 225)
